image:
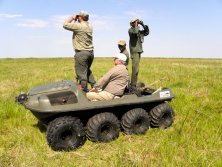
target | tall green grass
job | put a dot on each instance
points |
(195, 138)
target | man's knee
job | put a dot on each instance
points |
(103, 95)
(91, 96)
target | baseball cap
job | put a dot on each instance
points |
(83, 14)
(122, 42)
(133, 20)
(121, 56)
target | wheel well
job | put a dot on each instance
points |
(85, 115)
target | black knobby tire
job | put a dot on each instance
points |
(162, 116)
(135, 121)
(65, 133)
(103, 127)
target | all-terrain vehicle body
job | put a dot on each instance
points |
(70, 117)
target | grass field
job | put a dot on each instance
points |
(195, 139)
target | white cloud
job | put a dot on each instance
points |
(58, 20)
(137, 14)
(98, 22)
(102, 25)
(33, 23)
(11, 16)
(102, 22)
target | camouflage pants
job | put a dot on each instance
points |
(135, 67)
(83, 62)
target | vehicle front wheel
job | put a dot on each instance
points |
(65, 133)
(162, 116)
(103, 127)
(135, 121)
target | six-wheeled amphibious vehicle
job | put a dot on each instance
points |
(70, 117)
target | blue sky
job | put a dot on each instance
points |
(188, 28)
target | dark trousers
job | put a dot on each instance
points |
(135, 67)
(83, 62)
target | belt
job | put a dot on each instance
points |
(83, 50)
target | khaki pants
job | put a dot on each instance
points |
(103, 95)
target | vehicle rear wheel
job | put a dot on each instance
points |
(65, 133)
(103, 127)
(162, 116)
(135, 121)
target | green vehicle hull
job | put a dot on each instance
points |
(70, 117)
(65, 98)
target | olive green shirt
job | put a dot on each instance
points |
(82, 35)
(135, 43)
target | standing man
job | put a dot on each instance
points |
(122, 48)
(112, 85)
(83, 45)
(135, 44)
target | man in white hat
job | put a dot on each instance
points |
(83, 45)
(113, 83)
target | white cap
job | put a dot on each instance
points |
(122, 42)
(133, 20)
(121, 56)
(83, 14)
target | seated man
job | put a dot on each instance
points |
(113, 83)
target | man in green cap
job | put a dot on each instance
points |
(135, 44)
(122, 48)
(83, 45)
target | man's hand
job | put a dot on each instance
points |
(74, 17)
(140, 22)
(95, 90)
(69, 20)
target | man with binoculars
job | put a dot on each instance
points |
(83, 45)
(135, 44)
